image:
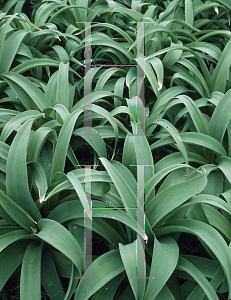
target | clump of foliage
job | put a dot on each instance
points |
(55, 150)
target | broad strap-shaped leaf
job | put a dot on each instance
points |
(80, 192)
(10, 49)
(5, 30)
(165, 293)
(15, 122)
(18, 214)
(126, 193)
(62, 53)
(224, 164)
(39, 177)
(60, 238)
(106, 75)
(30, 96)
(164, 261)
(61, 110)
(103, 112)
(65, 134)
(137, 110)
(103, 269)
(189, 268)
(208, 235)
(159, 69)
(99, 180)
(113, 234)
(211, 200)
(130, 256)
(10, 259)
(33, 64)
(216, 127)
(195, 114)
(72, 283)
(137, 151)
(111, 288)
(92, 98)
(165, 97)
(13, 236)
(50, 278)
(172, 197)
(221, 72)
(4, 150)
(156, 178)
(95, 140)
(73, 210)
(17, 186)
(176, 136)
(189, 13)
(30, 287)
(147, 69)
(194, 138)
(215, 282)
(142, 151)
(62, 95)
(217, 220)
(38, 139)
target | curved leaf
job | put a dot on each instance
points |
(60, 238)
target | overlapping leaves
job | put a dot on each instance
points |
(58, 141)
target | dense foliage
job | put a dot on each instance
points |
(71, 161)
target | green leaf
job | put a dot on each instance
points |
(73, 210)
(194, 138)
(217, 128)
(143, 152)
(14, 123)
(10, 259)
(159, 69)
(172, 197)
(60, 238)
(106, 76)
(208, 235)
(62, 95)
(5, 30)
(165, 293)
(17, 186)
(221, 72)
(30, 96)
(176, 136)
(30, 287)
(164, 261)
(18, 214)
(189, 13)
(129, 256)
(103, 269)
(65, 134)
(224, 163)
(211, 200)
(40, 179)
(11, 237)
(95, 140)
(127, 195)
(63, 55)
(92, 98)
(156, 178)
(109, 292)
(195, 114)
(50, 278)
(189, 268)
(33, 64)
(10, 49)
(80, 192)
(217, 220)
